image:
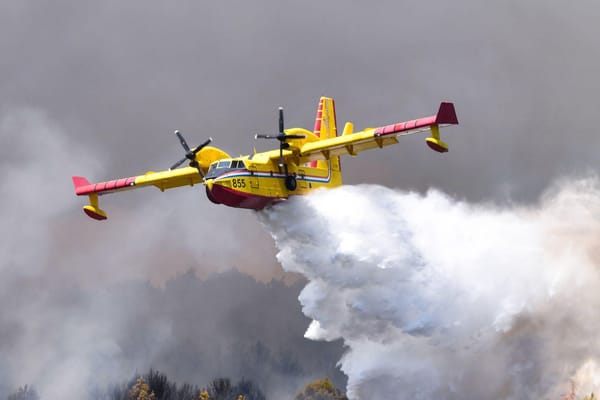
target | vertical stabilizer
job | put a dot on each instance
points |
(325, 128)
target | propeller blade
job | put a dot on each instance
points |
(190, 154)
(295, 136)
(260, 136)
(203, 145)
(197, 166)
(280, 119)
(183, 142)
(178, 163)
(280, 155)
(282, 137)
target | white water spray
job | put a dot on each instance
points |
(438, 298)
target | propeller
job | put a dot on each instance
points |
(189, 153)
(282, 137)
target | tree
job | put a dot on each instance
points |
(159, 384)
(141, 391)
(222, 389)
(155, 385)
(24, 393)
(321, 389)
(204, 395)
(247, 390)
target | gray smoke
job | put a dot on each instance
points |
(83, 311)
(96, 88)
(438, 298)
(522, 74)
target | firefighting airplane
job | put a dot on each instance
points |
(304, 161)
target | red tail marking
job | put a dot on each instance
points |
(317, 129)
(318, 119)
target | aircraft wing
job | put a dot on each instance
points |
(162, 180)
(353, 143)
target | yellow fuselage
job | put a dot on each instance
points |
(258, 180)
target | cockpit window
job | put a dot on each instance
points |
(219, 167)
(237, 164)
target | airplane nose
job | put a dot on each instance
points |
(209, 186)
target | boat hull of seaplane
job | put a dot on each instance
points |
(220, 194)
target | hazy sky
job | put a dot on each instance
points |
(97, 88)
(120, 77)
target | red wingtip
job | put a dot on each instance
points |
(80, 181)
(446, 114)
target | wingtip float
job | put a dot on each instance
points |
(304, 160)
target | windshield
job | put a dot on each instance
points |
(218, 167)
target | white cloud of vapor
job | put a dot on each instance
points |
(439, 298)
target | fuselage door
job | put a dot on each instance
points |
(254, 181)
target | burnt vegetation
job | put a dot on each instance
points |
(248, 333)
(155, 385)
(24, 393)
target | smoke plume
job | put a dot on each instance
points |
(441, 298)
(86, 305)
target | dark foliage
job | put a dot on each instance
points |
(222, 389)
(24, 393)
(163, 389)
(252, 330)
(321, 389)
(228, 325)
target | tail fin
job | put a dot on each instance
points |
(325, 128)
